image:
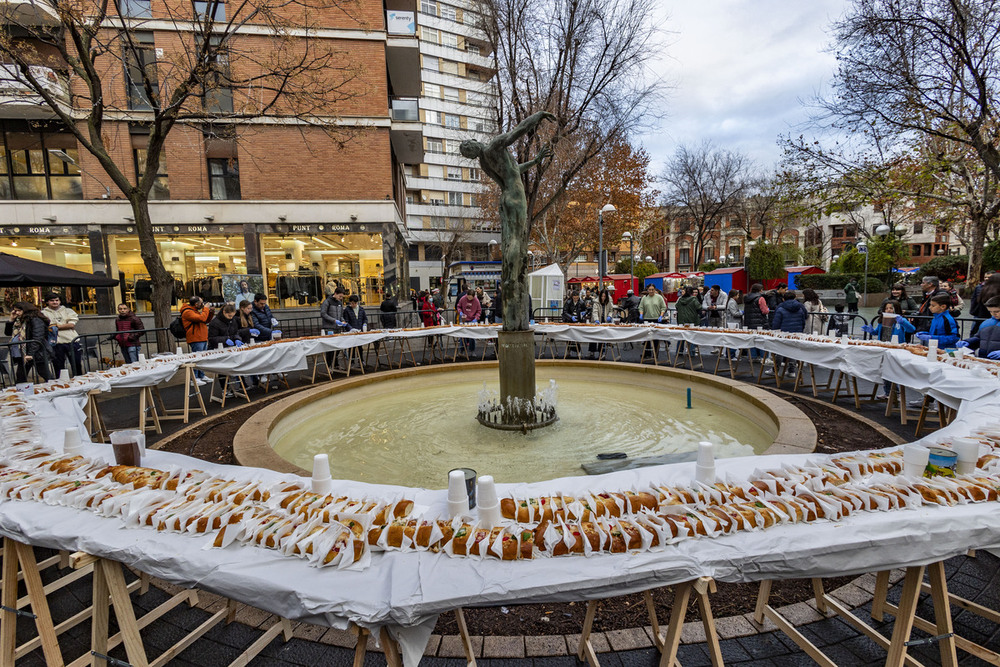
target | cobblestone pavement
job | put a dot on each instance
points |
(977, 579)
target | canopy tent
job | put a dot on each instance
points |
(19, 272)
(547, 286)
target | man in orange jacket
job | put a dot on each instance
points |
(195, 317)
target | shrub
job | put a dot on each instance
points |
(765, 262)
(946, 267)
(708, 266)
(838, 280)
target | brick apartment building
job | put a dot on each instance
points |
(272, 198)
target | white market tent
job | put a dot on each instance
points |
(547, 286)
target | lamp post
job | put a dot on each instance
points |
(884, 230)
(863, 248)
(601, 269)
(531, 258)
(627, 236)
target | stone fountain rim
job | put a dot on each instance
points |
(252, 447)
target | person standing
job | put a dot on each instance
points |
(851, 295)
(62, 321)
(428, 313)
(602, 312)
(817, 314)
(126, 324)
(630, 305)
(986, 342)
(332, 311)
(714, 305)
(30, 327)
(756, 314)
(263, 319)
(355, 316)
(652, 307)
(573, 309)
(906, 303)
(469, 310)
(943, 326)
(734, 312)
(195, 317)
(790, 316)
(931, 287)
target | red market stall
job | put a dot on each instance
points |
(791, 274)
(668, 283)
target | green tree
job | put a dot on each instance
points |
(991, 256)
(766, 261)
(642, 269)
(946, 267)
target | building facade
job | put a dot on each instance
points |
(444, 223)
(278, 200)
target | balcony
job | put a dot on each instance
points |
(406, 135)
(18, 100)
(407, 110)
(402, 52)
(28, 12)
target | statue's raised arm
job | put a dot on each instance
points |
(542, 154)
(524, 127)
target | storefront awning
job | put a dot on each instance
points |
(19, 272)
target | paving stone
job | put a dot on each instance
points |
(308, 631)
(432, 645)
(552, 645)
(767, 626)
(851, 595)
(866, 582)
(451, 646)
(597, 640)
(337, 637)
(800, 613)
(693, 655)
(503, 647)
(629, 639)
(896, 575)
(763, 645)
(693, 633)
(639, 658)
(796, 660)
(732, 651)
(551, 661)
(734, 626)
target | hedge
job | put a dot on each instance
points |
(838, 281)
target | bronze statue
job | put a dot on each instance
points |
(500, 165)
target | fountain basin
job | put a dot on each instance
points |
(409, 427)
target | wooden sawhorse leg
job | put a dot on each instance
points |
(20, 558)
(93, 419)
(147, 411)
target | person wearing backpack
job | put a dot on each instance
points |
(29, 326)
(195, 318)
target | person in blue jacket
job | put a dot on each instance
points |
(892, 327)
(986, 342)
(943, 326)
(790, 316)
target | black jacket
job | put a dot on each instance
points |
(330, 312)
(753, 316)
(355, 322)
(220, 330)
(571, 310)
(36, 332)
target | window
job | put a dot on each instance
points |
(734, 250)
(431, 63)
(432, 253)
(918, 226)
(430, 35)
(435, 171)
(451, 120)
(38, 165)
(449, 93)
(161, 186)
(448, 39)
(448, 67)
(217, 96)
(224, 178)
(916, 250)
(454, 199)
(480, 253)
(413, 253)
(451, 148)
(473, 200)
(454, 173)
(838, 232)
(448, 12)
(136, 9)
(474, 174)
(213, 9)
(428, 7)
(432, 90)
(435, 146)
(433, 117)
(473, 48)
(685, 257)
(708, 254)
(814, 236)
(140, 73)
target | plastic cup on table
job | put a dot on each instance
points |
(179, 350)
(967, 450)
(488, 505)
(64, 375)
(915, 459)
(71, 441)
(458, 497)
(322, 482)
(142, 358)
(127, 446)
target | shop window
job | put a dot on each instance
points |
(38, 165)
(161, 186)
(454, 198)
(224, 178)
(140, 72)
(204, 8)
(136, 9)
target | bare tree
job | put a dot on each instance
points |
(704, 185)
(586, 61)
(224, 63)
(924, 67)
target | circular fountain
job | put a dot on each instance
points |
(410, 427)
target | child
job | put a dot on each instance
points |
(840, 323)
(892, 327)
(986, 342)
(943, 326)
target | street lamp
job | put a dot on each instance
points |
(627, 236)
(608, 208)
(531, 258)
(863, 249)
(884, 230)
(493, 244)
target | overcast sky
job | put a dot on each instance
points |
(740, 71)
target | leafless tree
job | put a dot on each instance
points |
(225, 63)
(704, 184)
(923, 67)
(587, 62)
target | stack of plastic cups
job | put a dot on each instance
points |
(704, 467)
(142, 358)
(322, 482)
(915, 459)
(932, 349)
(71, 441)
(458, 497)
(487, 503)
(968, 455)
(220, 347)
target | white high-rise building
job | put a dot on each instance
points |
(443, 221)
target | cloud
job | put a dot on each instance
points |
(742, 71)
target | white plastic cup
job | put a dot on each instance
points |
(458, 498)
(968, 454)
(253, 341)
(486, 491)
(844, 340)
(704, 474)
(706, 454)
(26, 388)
(71, 441)
(220, 347)
(897, 339)
(364, 327)
(915, 459)
(142, 358)
(959, 352)
(932, 349)
(275, 336)
(64, 375)
(179, 350)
